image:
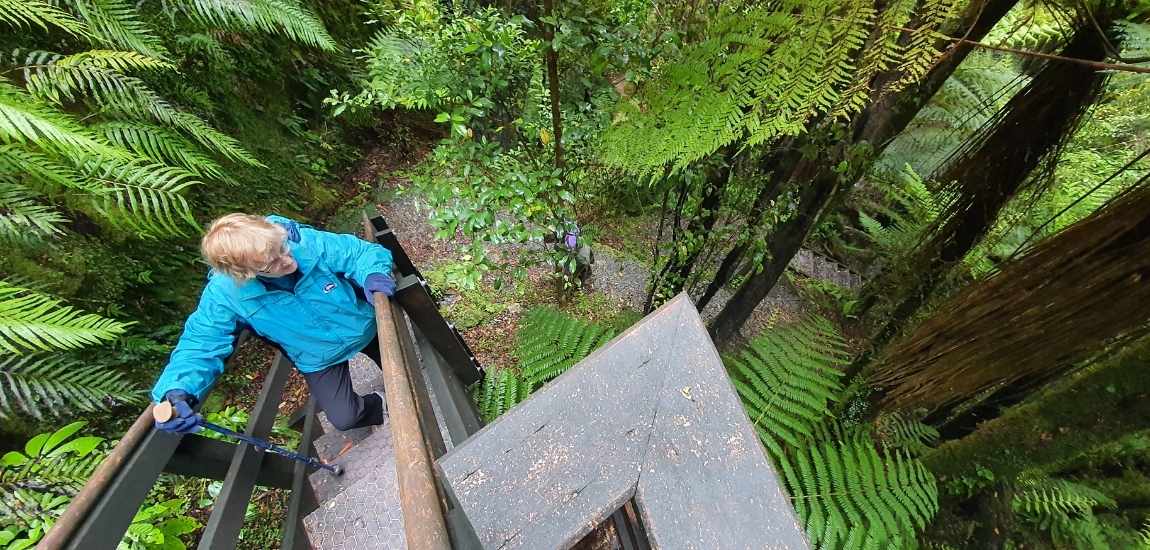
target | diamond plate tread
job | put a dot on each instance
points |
(364, 516)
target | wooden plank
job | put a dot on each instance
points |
(651, 415)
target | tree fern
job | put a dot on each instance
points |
(24, 14)
(765, 73)
(42, 385)
(32, 321)
(284, 17)
(117, 23)
(847, 491)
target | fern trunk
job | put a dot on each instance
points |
(1029, 131)
(873, 128)
(1099, 405)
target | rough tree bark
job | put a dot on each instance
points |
(1093, 407)
(1035, 122)
(672, 278)
(875, 125)
(777, 167)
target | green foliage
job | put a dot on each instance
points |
(118, 23)
(30, 14)
(788, 379)
(763, 73)
(899, 430)
(160, 527)
(39, 482)
(30, 320)
(236, 419)
(54, 385)
(549, 343)
(283, 17)
(848, 491)
(500, 390)
(1063, 508)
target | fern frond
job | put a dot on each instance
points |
(24, 14)
(99, 75)
(23, 217)
(551, 342)
(24, 119)
(41, 385)
(160, 145)
(31, 320)
(144, 196)
(1064, 508)
(118, 23)
(283, 17)
(33, 167)
(499, 392)
(851, 496)
(207, 46)
(788, 377)
(901, 431)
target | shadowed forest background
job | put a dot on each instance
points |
(918, 230)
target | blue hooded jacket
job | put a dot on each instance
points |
(324, 322)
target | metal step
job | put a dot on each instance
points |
(360, 509)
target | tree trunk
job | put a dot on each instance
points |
(784, 243)
(553, 81)
(876, 125)
(1028, 130)
(778, 167)
(1094, 407)
(672, 278)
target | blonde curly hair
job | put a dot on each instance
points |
(238, 244)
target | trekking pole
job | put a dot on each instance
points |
(163, 413)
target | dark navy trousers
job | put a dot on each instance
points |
(333, 393)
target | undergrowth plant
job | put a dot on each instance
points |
(853, 486)
(548, 343)
(1062, 508)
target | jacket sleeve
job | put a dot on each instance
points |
(350, 255)
(208, 338)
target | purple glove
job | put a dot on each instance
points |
(185, 420)
(378, 282)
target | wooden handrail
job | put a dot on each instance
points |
(423, 524)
